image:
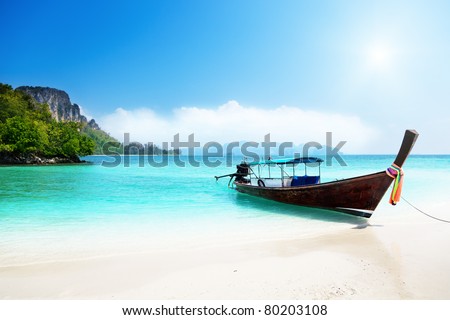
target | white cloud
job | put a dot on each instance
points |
(233, 122)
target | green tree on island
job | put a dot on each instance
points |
(27, 129)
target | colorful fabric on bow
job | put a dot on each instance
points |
(396, 173)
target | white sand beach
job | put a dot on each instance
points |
(395, 260)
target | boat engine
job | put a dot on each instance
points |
(242, 172)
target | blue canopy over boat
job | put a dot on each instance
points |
(287, 161)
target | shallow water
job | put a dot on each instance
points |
(50, 213)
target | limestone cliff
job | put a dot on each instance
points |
(59, 103)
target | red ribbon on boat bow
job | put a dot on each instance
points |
(396, 173)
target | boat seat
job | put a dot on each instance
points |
(304, 180)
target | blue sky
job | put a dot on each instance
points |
(363, 69)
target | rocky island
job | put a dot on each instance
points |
(40, 125)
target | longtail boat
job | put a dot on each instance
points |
(356, 196)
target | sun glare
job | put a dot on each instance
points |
(380, 57)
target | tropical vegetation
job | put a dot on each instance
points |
(27, 127)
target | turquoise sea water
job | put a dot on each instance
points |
(51, 213)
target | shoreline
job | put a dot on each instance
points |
(392, 261)
(82, 162)
(9, 159)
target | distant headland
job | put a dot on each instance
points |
(40, 125)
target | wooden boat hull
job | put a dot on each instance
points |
(357, 196)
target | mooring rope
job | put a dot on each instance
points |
(428, 215)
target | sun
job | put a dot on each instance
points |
(380, 57)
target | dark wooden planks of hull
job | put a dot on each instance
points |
(357, 196)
